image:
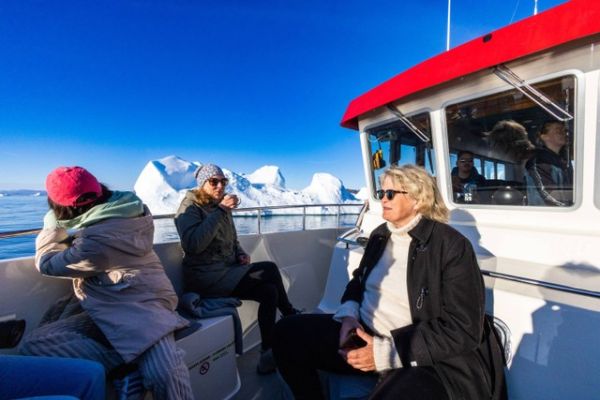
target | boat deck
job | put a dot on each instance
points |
(255, 386)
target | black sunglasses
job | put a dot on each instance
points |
(215, 181)
(390, 193)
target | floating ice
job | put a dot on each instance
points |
(163, 183)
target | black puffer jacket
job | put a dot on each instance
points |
(450, 331)
(211, 248)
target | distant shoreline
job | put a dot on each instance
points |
(22, 192)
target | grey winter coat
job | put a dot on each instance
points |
(210, 246)
(117, 278)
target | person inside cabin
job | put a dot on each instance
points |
(466, 178)
(508, 140)
(549, 174)
(102, 240)
(215, 265)
(412, 314)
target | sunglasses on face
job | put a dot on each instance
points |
(466, 161)
(389, 194)
(215, 181)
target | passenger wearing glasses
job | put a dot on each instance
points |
(215, 265)
(465, 178)
(411, 316)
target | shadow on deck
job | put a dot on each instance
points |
(259, 387)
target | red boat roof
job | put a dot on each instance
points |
(571, 21)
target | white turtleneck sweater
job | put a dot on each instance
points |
(385, 305)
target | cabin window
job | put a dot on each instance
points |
(507, 150)
(396, 144)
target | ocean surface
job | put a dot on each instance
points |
(27, 212)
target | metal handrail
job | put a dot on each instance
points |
(260, 210)
(540, 283)
(493, 274)
(17, 233)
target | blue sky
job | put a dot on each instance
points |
(110, 85)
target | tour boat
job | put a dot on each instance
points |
(541, 263)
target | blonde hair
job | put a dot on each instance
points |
(421, 187)
(202, 197)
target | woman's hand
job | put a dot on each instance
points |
(361, 358)
(243, 259)
(229, 202)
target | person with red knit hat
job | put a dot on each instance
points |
(125, 308)
(72, 186)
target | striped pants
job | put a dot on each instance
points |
(161, 366)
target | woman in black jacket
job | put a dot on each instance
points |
(214, 263)
(549, 174)
(413, 312)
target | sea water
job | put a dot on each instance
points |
(18, 213)
(27, 212)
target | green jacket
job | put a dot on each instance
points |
(211, 248)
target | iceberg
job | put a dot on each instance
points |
(163, 183)
(327, 189)
(362, 194)
(267, 175)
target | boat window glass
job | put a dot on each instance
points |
(489, 170)
(507, 150)
(453, 158)
(478, 164)
(500, 171)
(395, 144)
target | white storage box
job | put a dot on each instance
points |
(210, 357)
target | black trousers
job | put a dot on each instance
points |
(303, 344)
(263, 283)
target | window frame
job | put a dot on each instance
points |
(597, 152)
(386, 121)
(578, 137)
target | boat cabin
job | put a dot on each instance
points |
(484, 109)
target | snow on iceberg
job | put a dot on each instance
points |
(363, 194)
(163, 183)
(327, 189)
(267, 175)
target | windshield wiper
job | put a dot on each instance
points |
(411, 127)
(508, 76)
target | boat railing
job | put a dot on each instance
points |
(258, 212)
